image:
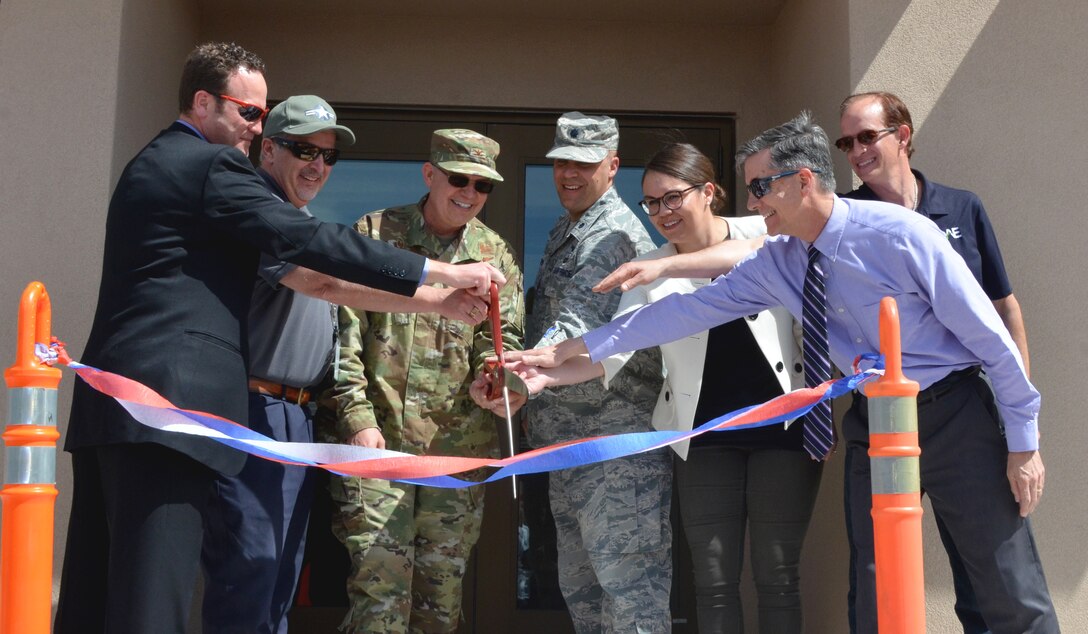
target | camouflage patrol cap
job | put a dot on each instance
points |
(584, 138)
(301, 115)
(465, 152)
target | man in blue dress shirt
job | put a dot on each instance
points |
(982, 486)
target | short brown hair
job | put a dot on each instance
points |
(895, 112)
(210, 66)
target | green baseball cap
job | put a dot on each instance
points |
(465, 152)
(301, 115)
(584, 138)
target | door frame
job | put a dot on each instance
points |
(403, 133)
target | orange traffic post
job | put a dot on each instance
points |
(30, 460)
(897, 498)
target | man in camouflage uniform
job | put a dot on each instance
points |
(612, 518)
(403, 385)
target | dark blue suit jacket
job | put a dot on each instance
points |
(186, 224)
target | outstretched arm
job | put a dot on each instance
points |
(550, 356)
(537, 378)
(577, 369)
(476, 276)
(451, 303)
(712, 261)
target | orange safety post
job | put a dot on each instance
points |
(897, 498)
(30, 460)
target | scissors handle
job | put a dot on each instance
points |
(496, 321)
(495, 368)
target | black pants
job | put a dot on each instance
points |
(724, 491)
(133, 549)
(963, 462)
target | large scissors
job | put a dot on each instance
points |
(496, 369)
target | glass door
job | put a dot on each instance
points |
(512, 583)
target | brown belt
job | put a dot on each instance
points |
(278, 390)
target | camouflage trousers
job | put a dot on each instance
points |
(409, 547)
(614, 539)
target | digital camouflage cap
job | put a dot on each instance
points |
(465, 152)
(584, 138)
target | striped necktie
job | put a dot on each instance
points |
(818, 431)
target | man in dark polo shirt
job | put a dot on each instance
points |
(878, 140)
(878, 137)
(256, 524)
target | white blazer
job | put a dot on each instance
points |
(684, 359)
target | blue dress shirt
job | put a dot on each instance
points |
(871, 250)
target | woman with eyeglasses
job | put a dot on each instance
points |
(757, 480)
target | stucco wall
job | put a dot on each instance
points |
(995, 89)
(82, 87)
(809, 56)
(680, 64)
(58, 79)
(994, 85)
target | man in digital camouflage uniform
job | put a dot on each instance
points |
(612, 519)
(403, 385)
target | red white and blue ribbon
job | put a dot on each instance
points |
(151, 409)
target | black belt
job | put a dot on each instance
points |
(939, 389)
(947, 384)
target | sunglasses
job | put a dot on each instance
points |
(460, 180)
(759, 187)
(307, 151)
(865, 137)
(248, 111)
(672, 201)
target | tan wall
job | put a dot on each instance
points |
(996, 89)
(593, 65)
(810, 59)
(994, 86)
(82, 87)
(57, 107)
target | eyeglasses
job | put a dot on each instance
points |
(307, 151)
(672, 201)
(248, 111)
(865, 137)
(759, 187)
(460, 180)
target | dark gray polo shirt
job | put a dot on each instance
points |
(291, 335)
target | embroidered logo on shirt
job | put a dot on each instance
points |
(953, 233)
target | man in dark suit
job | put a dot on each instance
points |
(185, 228)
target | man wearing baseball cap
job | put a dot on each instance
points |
(403, 384)
(256, 523)
(614, 536)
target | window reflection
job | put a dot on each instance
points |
(542, 210)
(356, 187)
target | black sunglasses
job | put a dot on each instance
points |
(672, 200)
(460, 180)
(307, 151)
(759, 187)
(246, 110)
(865, 137)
